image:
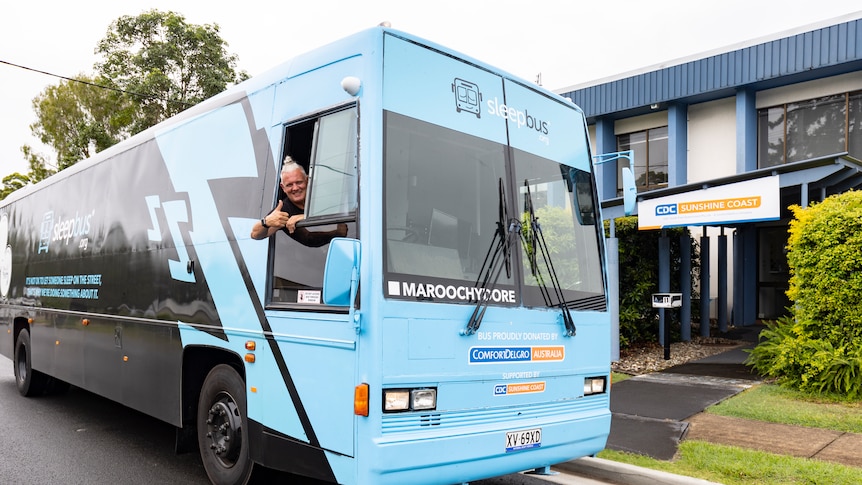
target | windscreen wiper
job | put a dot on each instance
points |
(499, 256)
(534, 243)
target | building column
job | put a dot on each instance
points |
(745, 276)
(704, 284)
(606, 173)
(612, 246)
(663, 281)
(722, 282)
(677, 147)
(746, 131)
(685, 287)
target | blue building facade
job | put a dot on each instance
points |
(789, 106)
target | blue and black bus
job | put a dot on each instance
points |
(456, 328)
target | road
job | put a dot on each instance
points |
(80, 438)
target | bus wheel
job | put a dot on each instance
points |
(223, 427)
(30, 382)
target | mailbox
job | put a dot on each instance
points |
(666, 300)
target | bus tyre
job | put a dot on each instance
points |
(223, 427)
(30, 382)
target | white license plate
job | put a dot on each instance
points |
(523, 439)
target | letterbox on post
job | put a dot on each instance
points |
(666, 300)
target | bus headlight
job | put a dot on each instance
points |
(423, 399)
(395, 400)
(594, 385)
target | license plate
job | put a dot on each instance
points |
(523, 439)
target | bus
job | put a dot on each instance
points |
(449, 324)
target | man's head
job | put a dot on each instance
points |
(294, 182)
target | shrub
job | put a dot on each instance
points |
(638, 259)
(817, 349)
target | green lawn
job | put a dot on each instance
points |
(732, 465)
(618, 377)
(775, 404)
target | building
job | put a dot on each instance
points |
(785, 109)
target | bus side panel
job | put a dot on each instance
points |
(220, 162)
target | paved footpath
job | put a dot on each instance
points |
(782, 439)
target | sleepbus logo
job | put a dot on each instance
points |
(59, 229)
(520, 118)
(467, 97)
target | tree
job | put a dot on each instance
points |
(13, 182)
(78, 119)
(170, 64)
(155, 65)
(16, 180)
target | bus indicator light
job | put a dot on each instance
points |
(249, 358)
(360, 400)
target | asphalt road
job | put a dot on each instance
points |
(80, 438)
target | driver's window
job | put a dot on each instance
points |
(325, 148)
(333, 187)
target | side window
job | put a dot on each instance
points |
(333, 170)
(325, 147)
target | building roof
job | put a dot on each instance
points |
(804, 56)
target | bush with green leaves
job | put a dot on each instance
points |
(638, 258)
(817, 349)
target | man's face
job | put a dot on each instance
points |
(294, 184)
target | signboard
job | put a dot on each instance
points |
(748, 201)
(666, 300)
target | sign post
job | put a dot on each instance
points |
(662, 301)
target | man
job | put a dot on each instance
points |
(291, 209)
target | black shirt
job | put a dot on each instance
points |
(302, 235)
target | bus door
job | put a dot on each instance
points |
(317, 341)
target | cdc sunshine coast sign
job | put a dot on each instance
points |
(748, 201)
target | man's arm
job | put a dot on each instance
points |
(260, 232)
(270, 224)
(316, 239)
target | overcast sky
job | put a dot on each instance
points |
(568, 42)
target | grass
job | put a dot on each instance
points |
(775, 404)
(618, 377)
(731, 465)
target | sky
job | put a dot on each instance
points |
(568, 42)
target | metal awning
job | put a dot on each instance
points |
(806, 180)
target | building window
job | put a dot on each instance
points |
(650, 158)
(854, 125)
(810, 129)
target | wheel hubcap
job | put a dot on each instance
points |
(224, 430)
(22, 366)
